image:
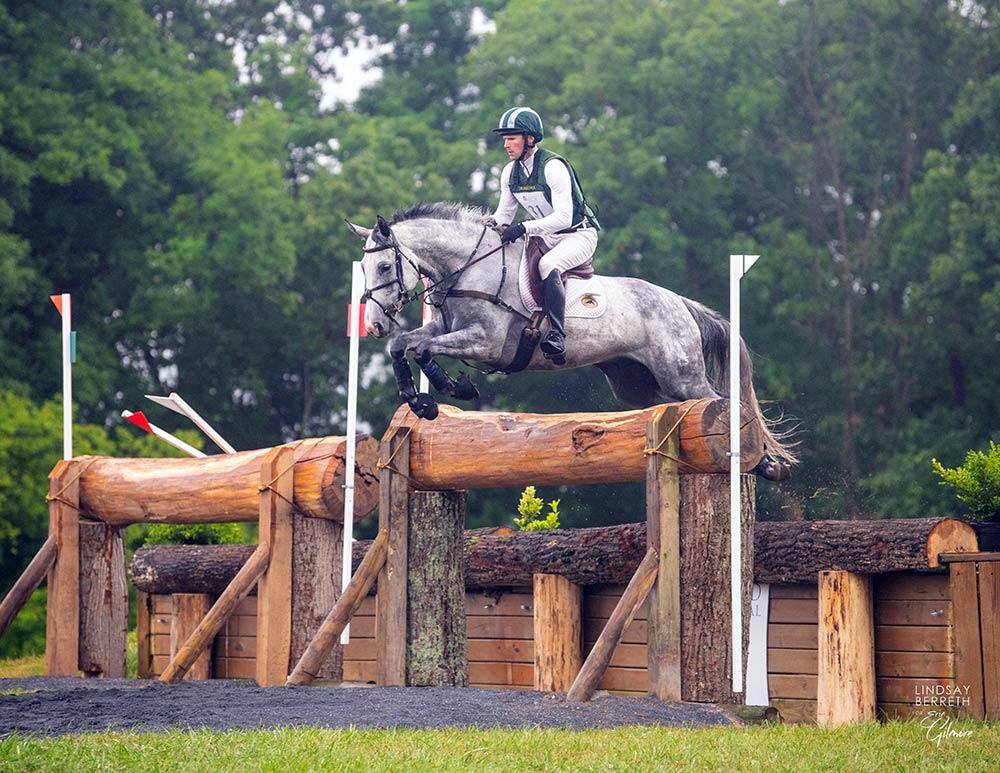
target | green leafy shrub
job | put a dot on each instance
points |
(530, 508)
(195, 534)
(977, 482)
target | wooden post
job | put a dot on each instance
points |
(557, 607)
(663, 534)
(968, 638)
(274, 590)
(393, 517)
(317, 558)
(706, 603)
(436, 646)
(144, 635)
(62, 629)
(189, 609)
(103, 600)
(328, 635)
(217, 616)
(27, 583)
(989, 615)
(597, 661)
(845, 690)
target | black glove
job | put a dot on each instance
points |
(512, 233)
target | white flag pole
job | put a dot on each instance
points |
(738, 266)
(166, 437)
(177, 404)
(357, 290)
(66, 309)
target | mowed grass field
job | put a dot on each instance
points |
(894, 746)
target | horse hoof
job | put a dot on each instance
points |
(465, 389)
(424, 406)
(771, 469)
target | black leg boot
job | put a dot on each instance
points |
(554, 342)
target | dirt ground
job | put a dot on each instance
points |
(48, 706)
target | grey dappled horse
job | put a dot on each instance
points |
(652, 345)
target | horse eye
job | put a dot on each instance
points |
(383, 267)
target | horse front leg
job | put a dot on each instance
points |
(421, 403)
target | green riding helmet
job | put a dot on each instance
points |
(521, 120)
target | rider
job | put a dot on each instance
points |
(551, 194)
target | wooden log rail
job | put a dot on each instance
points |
(463, 450)
(784, 552)
(224, 488)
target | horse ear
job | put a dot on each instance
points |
(383, 227)
(359, 231)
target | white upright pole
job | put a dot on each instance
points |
(426, 316)
(67, 358)
(357, 290)
(738, 266)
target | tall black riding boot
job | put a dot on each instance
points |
(554, 294)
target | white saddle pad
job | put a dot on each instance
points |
(585, 298)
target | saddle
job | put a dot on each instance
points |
(533, 253)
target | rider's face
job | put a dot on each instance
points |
(514, 145)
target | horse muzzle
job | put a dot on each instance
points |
(375, 329)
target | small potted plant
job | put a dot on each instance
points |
(977, 483)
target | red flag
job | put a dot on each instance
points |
(361, 320)
(57, 300)
(139, 419)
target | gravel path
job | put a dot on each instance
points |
(69, 705)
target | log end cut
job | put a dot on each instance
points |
(950, 536)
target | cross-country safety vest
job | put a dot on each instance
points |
(535, 196)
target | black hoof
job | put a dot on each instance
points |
(464, 388)
(424, 406)
(771, 469)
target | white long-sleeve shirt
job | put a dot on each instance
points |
(542, 222)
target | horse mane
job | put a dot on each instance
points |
(440, 210)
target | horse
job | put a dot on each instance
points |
(653, 345)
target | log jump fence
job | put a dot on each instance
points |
(676, 565)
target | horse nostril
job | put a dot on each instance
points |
(379, 330)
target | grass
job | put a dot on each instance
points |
(893, 746)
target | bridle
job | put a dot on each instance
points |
(404, 296)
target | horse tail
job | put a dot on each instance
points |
(715, 334)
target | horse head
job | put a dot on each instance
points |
(391, 274)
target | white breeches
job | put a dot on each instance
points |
(567, 251)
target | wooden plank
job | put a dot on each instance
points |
(103, 600)
(143, 635)
(189, 610)
(500, 674)
(914, 638)
(394, 518)
(930, 692)
(801, 686)
(793, 611)
(663, 535)
(27, 583)
(274, 589)
(558, 631)
(158, 645)
(360, 649)
(910, 612)
(360, 671)
(240, 668)
(236, 646)
(626, 655)
(790, 636)
(846, 681)
(500, 627)
(792, 661)
(503, 603)
(796, 591)
(989, 617)
(493, 650)
(915, 664)
(633, 680)
(597, 661)
(796, 712)
(602, 607)
(160, 663)
(634, 633)
(62, 615)
(968, 638)
(912, 587)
